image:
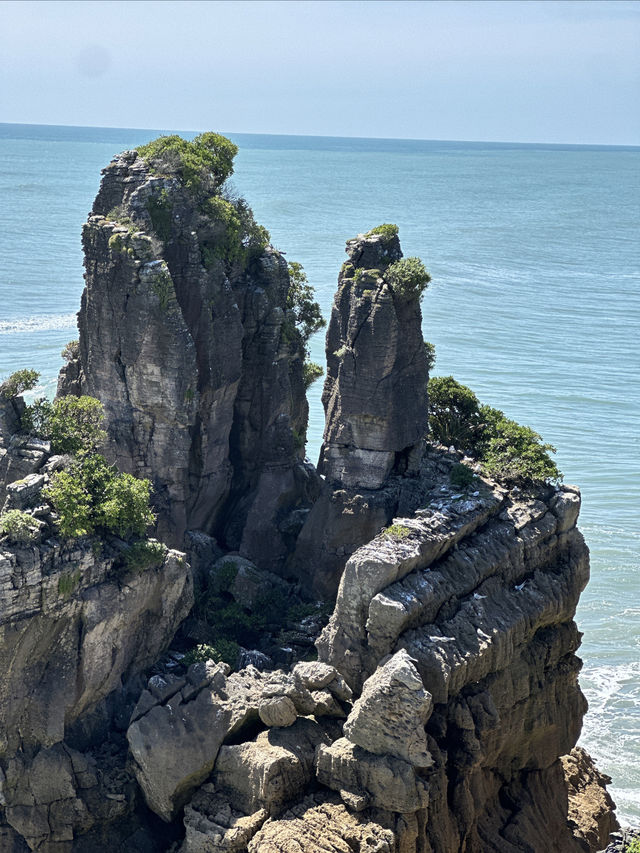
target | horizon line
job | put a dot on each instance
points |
(326, 136)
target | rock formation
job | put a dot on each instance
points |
(446, 690)
(375, 394)
(186, 339)
(375, 399)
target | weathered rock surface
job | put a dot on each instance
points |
(175, 736)
(446, 692)
(590, 805)
(375, 399)
(375, 393)
(326, 827)
(191, 353)
(270, 771)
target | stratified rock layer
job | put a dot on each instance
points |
(375, 393)
(192, 355)
(375, 399)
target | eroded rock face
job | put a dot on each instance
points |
(191, 353)
(375, 393)
(480, 591)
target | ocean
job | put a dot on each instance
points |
(534, 303)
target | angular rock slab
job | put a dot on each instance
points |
(364, 779)
(271, 770)
(390, 715)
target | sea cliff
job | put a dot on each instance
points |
(440, 708)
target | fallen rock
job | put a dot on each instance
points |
(390, 715)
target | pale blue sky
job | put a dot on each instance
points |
(504, 71)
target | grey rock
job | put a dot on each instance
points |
(375, 393)
(390, 715)
(387, 782)
(277, 711)
(270, 771)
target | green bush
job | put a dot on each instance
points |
(76, 424)
(144, 554)
(454, 416)
(19, 382)
(223, 651)
(18, 526)
(71, 500)
(124, 506)
(461, 476)
(160, 209)
(71, 351)
(387, 230)
(430, 352)
(73, 424)
(310, 372)
(507, 450)
(514, 453)
(308, 316)
(36, 418)
(242, 239)
(408, 277)
(92, 496)
(208, 157)
(634, 846)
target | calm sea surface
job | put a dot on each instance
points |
(535, 304)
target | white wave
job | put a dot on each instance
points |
(43, 323)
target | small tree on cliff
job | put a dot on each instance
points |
(308, 317)
(507, 450)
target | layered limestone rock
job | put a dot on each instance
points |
(186, 339)
(375, 393)
(480, 590)
(446, 691)
(375, 399)
(178, 731)
(77, 626)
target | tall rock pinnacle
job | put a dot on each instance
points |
(375, 394)
(187, 340)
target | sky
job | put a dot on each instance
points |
(541, 71)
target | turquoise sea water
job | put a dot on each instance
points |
(534, 303)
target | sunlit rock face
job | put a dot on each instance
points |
(375, 394)
(186, 339)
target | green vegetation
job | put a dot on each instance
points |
(73, 424)
(507, 450)
(387, 230)
(19, 382)
(144, 554)
(90, 495)
(634, 846)
(93, 496)
(430, 352)
(71, 351)
(454, 414)
(18, 526)
(396, 531)
(461, 476)
(226, 651)
(242, 239)
(160, 209)
(67, 582)
(307, 318)
(162, 285)
(310, 372)
(408, 277)
(207, 158)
